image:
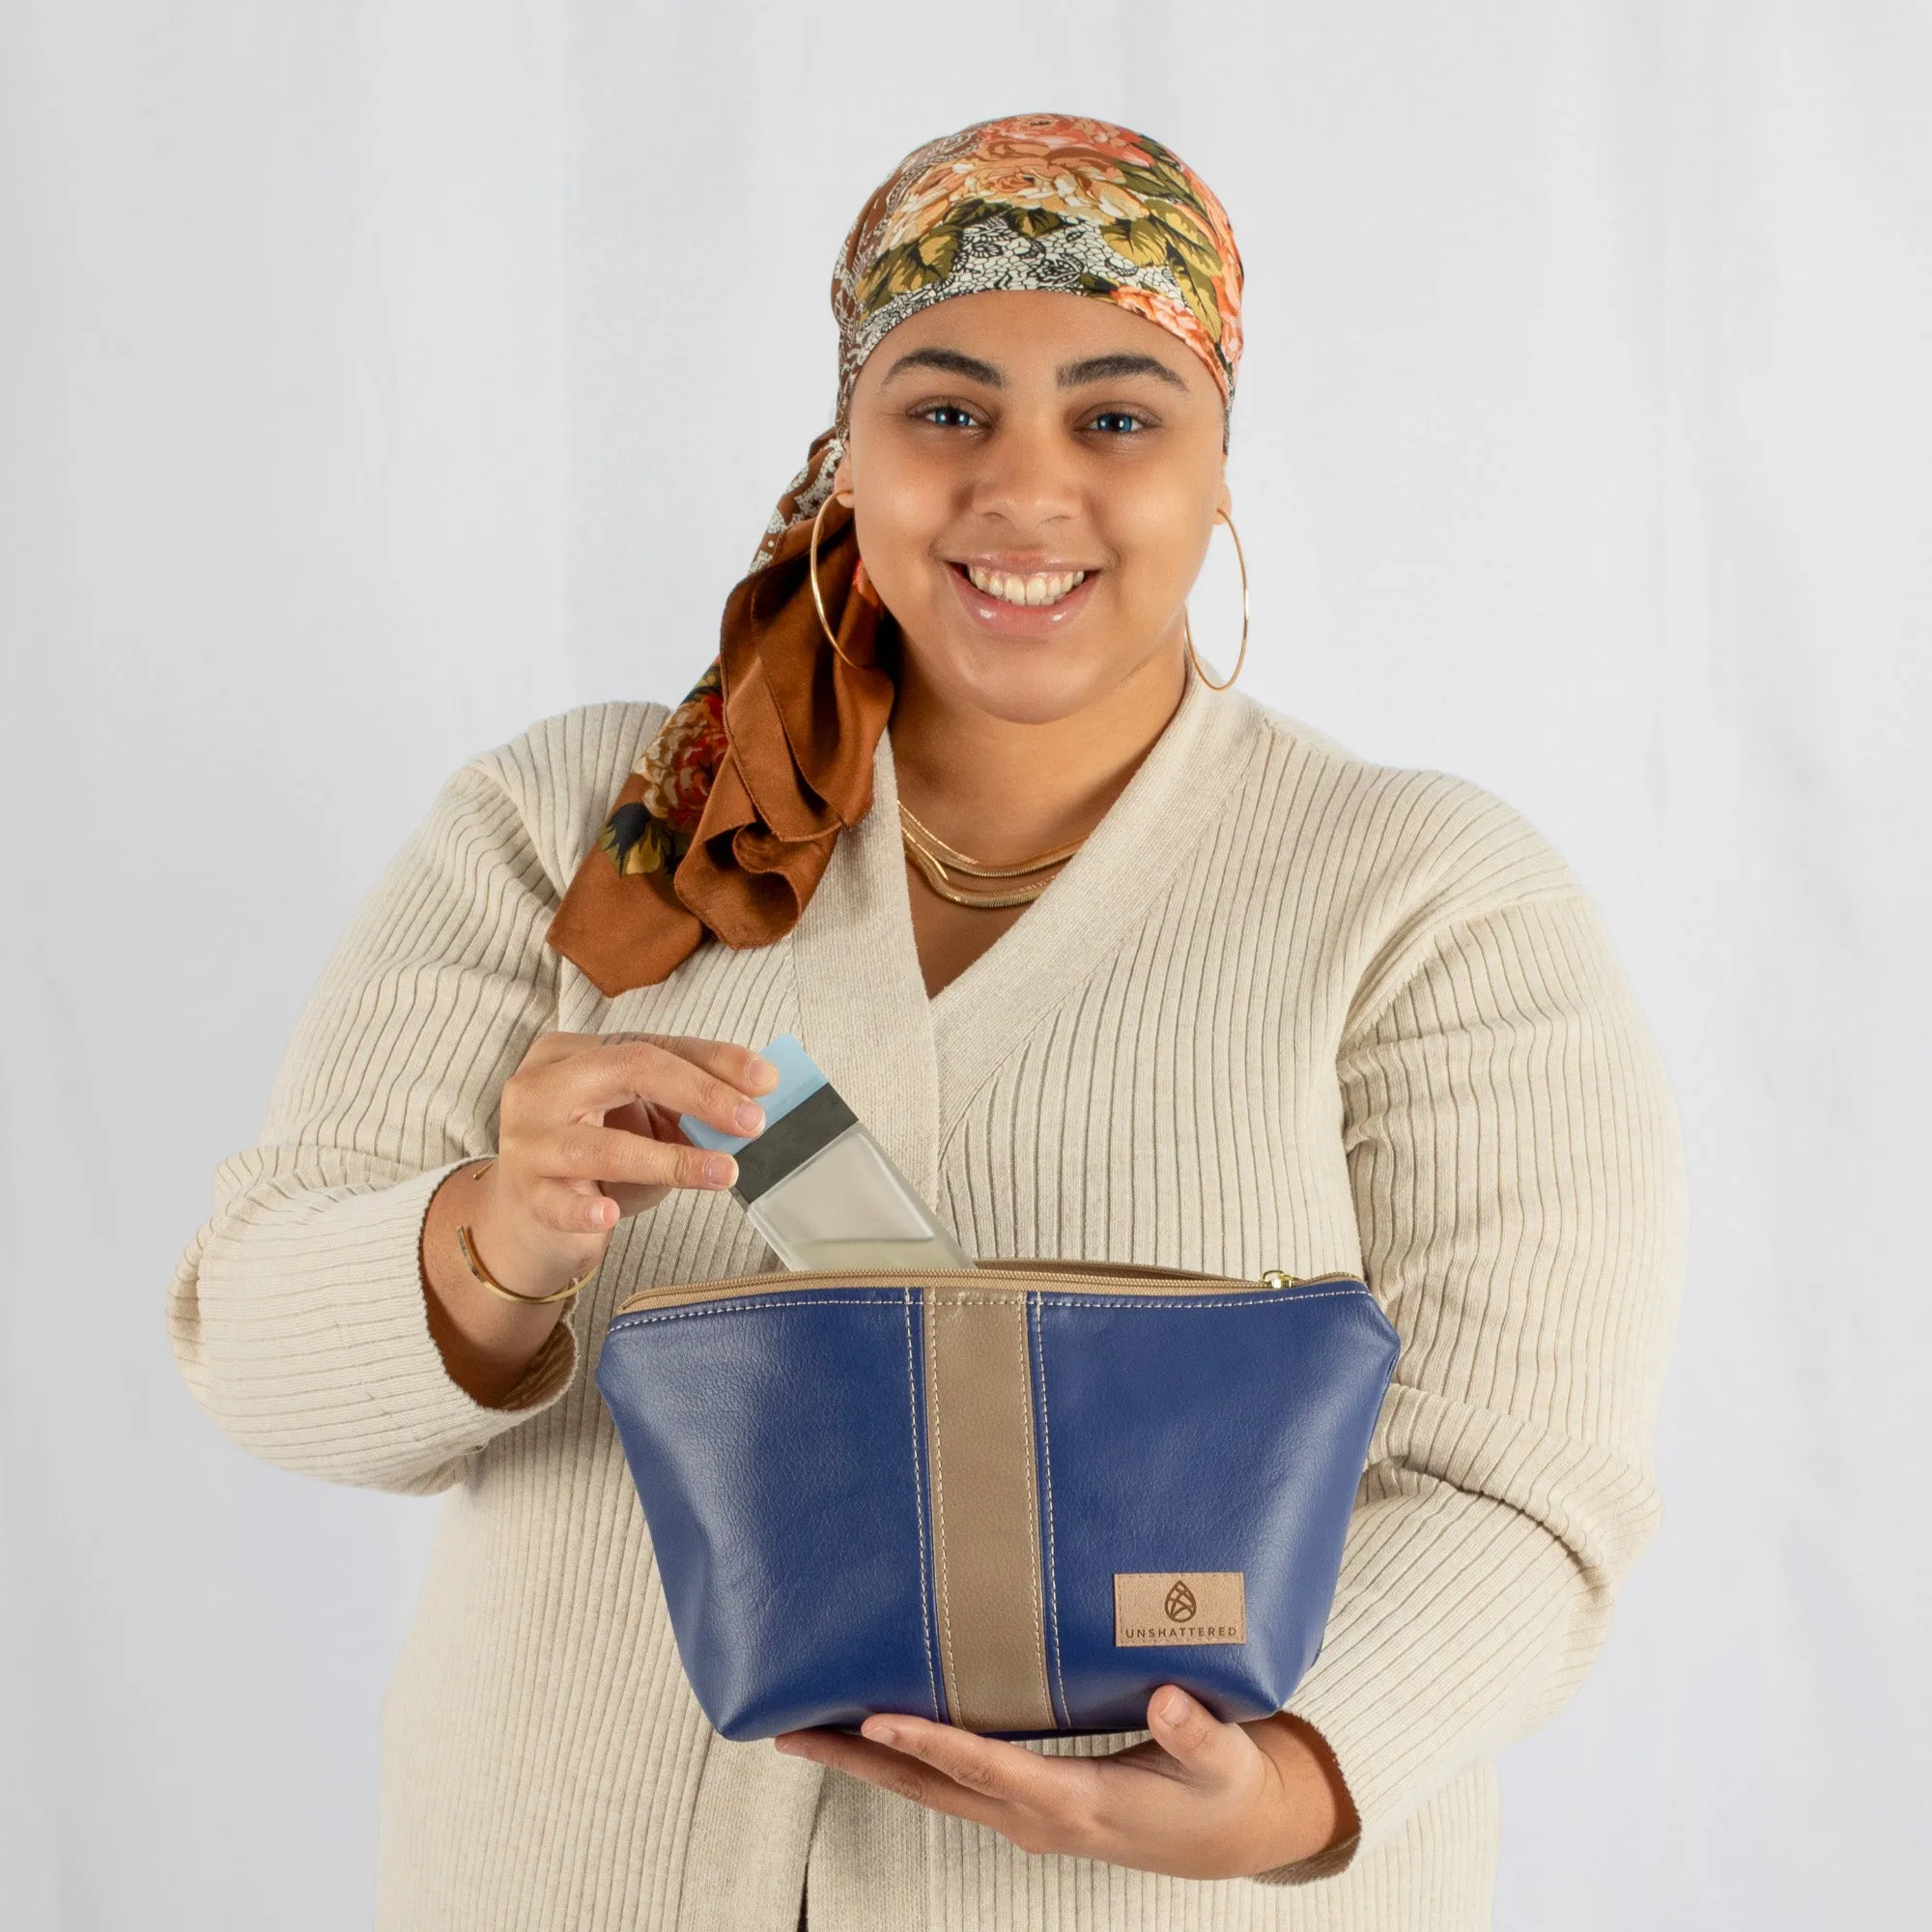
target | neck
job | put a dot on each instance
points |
(1003, 791)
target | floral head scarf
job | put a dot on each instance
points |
(728, 820)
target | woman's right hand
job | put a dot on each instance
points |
(587, 1134)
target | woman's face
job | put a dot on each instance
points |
(1035, 478)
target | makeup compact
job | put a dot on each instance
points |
(818, 1187)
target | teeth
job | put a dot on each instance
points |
(1044, 587)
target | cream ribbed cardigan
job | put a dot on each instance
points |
(1285, 1009)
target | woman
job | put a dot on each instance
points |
(1119, 966)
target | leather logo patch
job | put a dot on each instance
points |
(1172, 1607)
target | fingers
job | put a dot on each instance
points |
(900, 1774)
(576, 1203)
(587, 1133)
(1041, 1804)
(748, 1071)
(1194, 1737)
(738, 1066)
(989, 1766)
(630, 1081)
(626, 1070)
(547, 1048)
(562, 1208)
(571, 1207)
(587, 1153)
(1197, 1800)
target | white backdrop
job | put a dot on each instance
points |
(376, 377)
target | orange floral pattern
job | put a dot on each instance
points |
(1044, 201)
(652, 832)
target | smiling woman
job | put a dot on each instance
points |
(1121, 968)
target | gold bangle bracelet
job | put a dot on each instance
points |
(496, 1287)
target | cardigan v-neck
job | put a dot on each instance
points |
(857, 961)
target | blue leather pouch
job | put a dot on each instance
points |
(1016, 1497)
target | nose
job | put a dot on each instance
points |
(1026, 478)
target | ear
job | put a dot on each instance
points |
(1224, 503)
(842, 481)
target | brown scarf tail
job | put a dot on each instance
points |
(777, 743)
(622, 928)
(804, 720)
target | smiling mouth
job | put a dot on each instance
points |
(1033, 590)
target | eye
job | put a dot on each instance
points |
(946, 416)
(1118, 422)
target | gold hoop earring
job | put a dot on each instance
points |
(1187, 629)
(818, 595)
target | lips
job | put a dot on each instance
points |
(1021, 604)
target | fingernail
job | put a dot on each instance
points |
(718, 1170)
(789, 1746)
(749, 1119)
(1174, 1707)
(879, 1731)
(762, 1070)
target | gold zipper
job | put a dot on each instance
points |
(789, 1278)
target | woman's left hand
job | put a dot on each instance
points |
(1200, 1800)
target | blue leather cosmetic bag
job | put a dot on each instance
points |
(1017, 1497)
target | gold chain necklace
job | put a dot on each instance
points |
(935, 859)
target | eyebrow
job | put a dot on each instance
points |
(1070, 375)
(952, 363)
(1109, 368)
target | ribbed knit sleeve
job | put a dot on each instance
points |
(298, 1314)
(1514, 1154)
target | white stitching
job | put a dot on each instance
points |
(1052, 1554)
(919, 1507)
(950, 1663)
(1033, 1515)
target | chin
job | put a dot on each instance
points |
(1039, 684)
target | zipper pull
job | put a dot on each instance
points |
(1279, 1278)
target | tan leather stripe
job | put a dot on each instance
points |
(985, 1512)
